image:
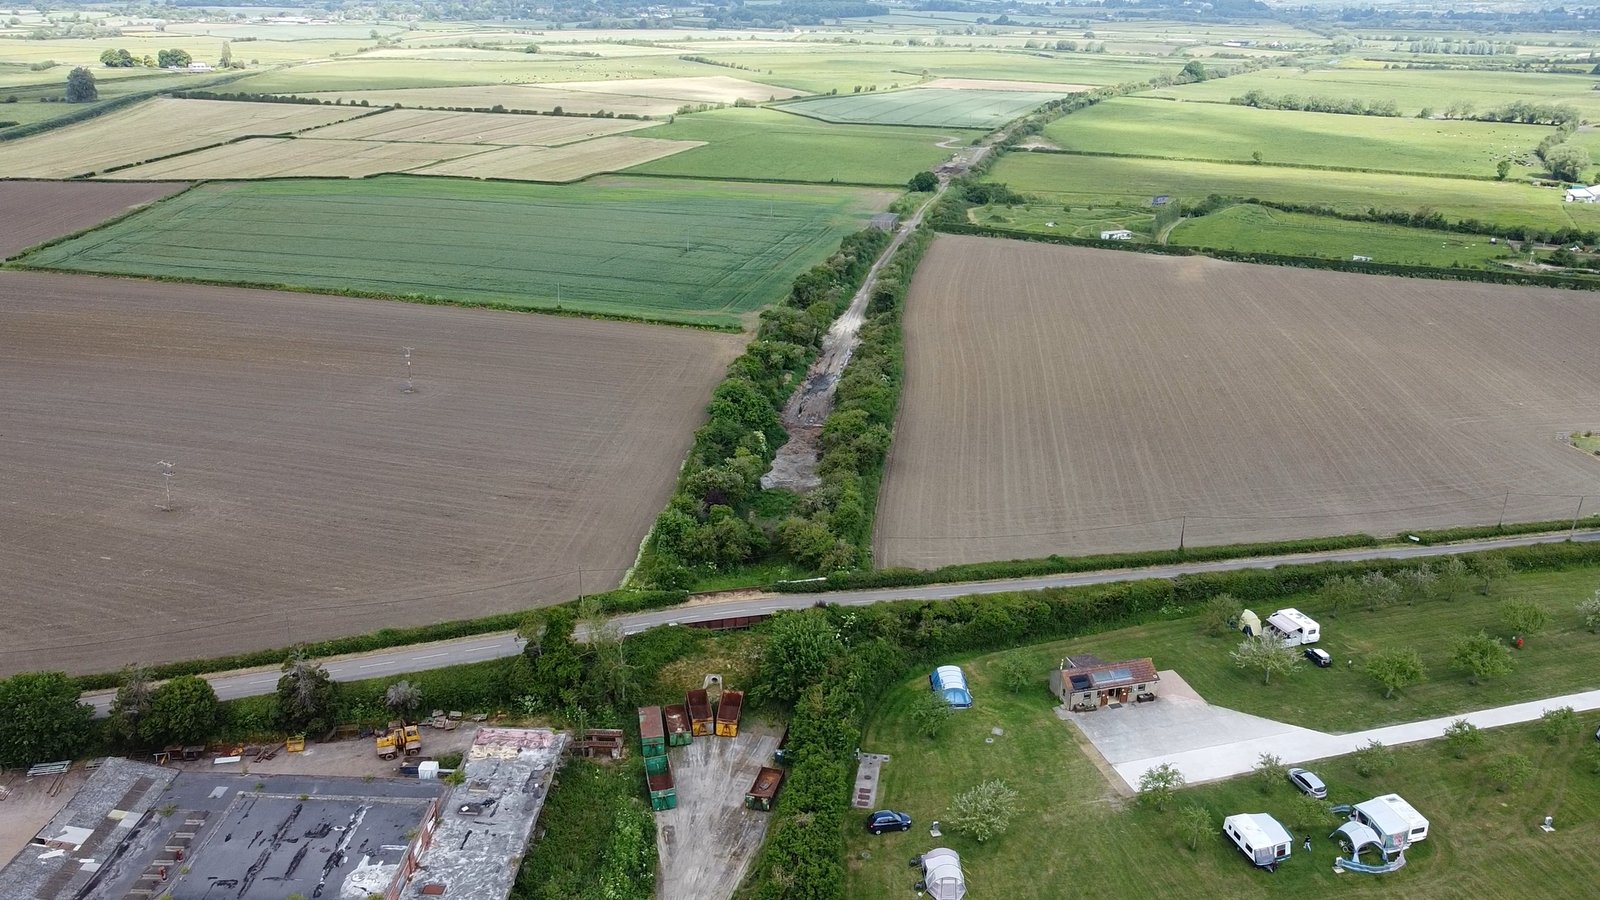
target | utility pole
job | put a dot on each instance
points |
(410, 387)
(1575, 516)
(1503, 504)
(1182, 530)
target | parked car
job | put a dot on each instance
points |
(1308, 783)
(888, 820)
(1320, 657)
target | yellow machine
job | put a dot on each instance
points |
(399, 737)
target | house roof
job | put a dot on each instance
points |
(1087, 672)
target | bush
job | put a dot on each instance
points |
(43, 719)
(1463, 738)
(1508, 770)
(984, 811)
(1159, 785)
(1373, 759)
(1559, 724)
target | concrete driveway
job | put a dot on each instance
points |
(1210, 743)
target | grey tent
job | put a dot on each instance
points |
(941, 874)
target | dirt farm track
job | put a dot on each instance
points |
(1068, 400)
(312, 495)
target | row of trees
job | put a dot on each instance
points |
(166, 59)
(1317, 103)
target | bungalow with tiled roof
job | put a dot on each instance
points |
(1086, 682)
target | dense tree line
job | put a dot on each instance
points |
(1318, 103)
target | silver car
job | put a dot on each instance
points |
(1308, 783)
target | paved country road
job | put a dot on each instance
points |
(440, 654)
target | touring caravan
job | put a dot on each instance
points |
(1293, 627)
(1397, 822)
(1259, 837)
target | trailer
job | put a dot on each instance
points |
(701, 723)
(728, 709)
(651, 735)
(662, 793)
(679, 734)
(764, 791)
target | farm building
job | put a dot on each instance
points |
(1260, 837)
(951, 683)
(1116, 234)
(1293, 627)
(942, 876)
(1589, 194)
(1087, 682)
(885, 222)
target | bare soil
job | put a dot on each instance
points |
(313, 496)
(1067, 400)
(32, 212)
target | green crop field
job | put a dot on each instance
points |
(1076, 221)
(1148, 127)
(1256, 228)
(1103, 181)
(1483, 843)
(763, 144)
(696, 252)
(1411, 89)
(933, 108)
(821, 69)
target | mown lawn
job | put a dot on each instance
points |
(700, 252)
(1149, 127)
(1564, 658)
(1076, 836)
(765, 144)
(1249, 227)
(1103, 181)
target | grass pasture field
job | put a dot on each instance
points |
(763, 144)
(296, 158)
(701, 89)
(1074, 835)
(1410, 89)
(1106, 181)
(154, 128)
(819, 69)
(1177, 130)
(434, 126)
(694, 252)
(515, 97)
(36, 92)
(1262, 403)
(349, 76)
(32, 212)
(560, 164)
(313, 497)
(924, 107)
(1248, 227)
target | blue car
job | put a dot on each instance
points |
(888, 820)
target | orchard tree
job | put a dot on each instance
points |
(1373, 759)
(80, 86)
(1453, 580)
(1380, 590)
(1157, 786)
(1395, 669)
(1491, 570)
(1463, 738)
(1269, 772)
(1417, 584)
(1339, 592)
(43, 719)
(1589, 611)
(1015, 673)
(1557, 724)
(1523, 616)
(182, 711)
(1267, 656)
(1194, 823)
(984, 811)
(1508, 770)
(1482, 656)
(929, 713)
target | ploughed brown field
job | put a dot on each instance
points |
(1074, 401)
(312, 496)
(32, 212)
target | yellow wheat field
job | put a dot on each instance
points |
(287, 157)
(569, 163)
(431, 125)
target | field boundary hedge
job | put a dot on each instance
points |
(1058, 151)
(1437, 273)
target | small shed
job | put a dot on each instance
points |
(1249, 623)
(652, 736)
(701, 724)
(728, 709)
(951, 683)
(886, 222)
(1116, 234)
(941, 874)
(1294, 627)
(679, 733)
(1087, 682)
(764, 791)
(1260, 837)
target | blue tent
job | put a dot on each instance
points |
(951, 683)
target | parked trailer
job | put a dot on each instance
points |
(700, 721)
(662, 793)
(764, 791)
(728, 709)
(651, 735)
(679, 734)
